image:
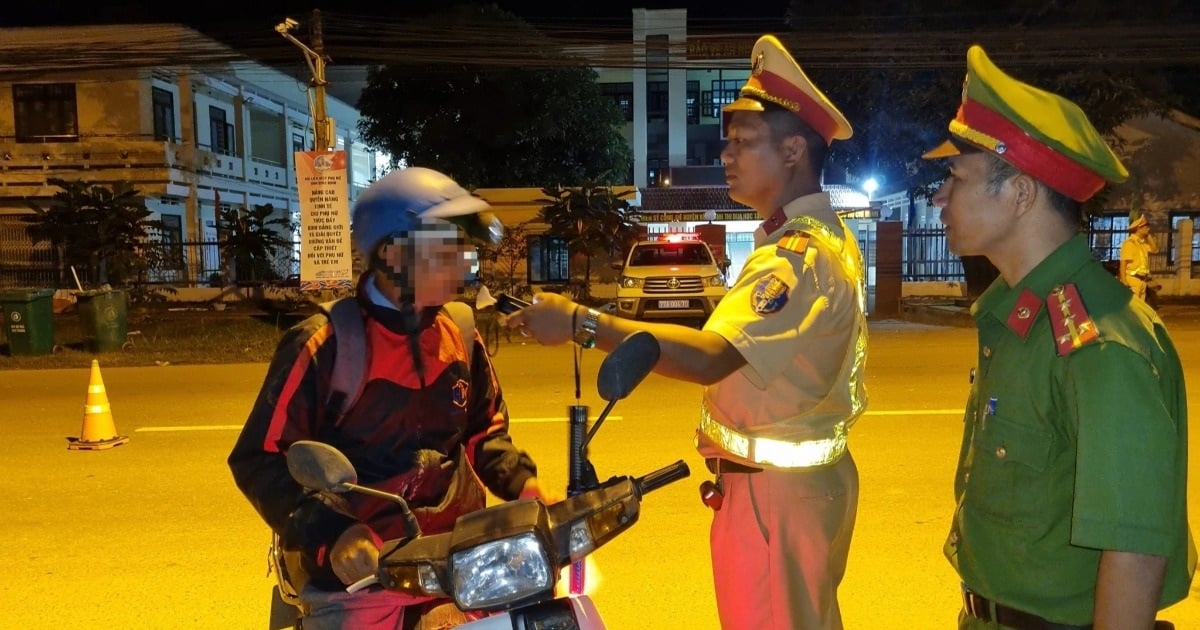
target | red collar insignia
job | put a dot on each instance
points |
(774, 222)
(1024, 312)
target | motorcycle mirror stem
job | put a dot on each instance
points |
(319, 466)
(622, 371)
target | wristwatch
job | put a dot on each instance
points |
(585, 335)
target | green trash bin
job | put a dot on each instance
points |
(28, 320)
(103, 318)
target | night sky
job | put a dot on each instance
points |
(217, 12)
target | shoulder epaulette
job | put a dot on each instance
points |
(1073, 327)
(794, 241)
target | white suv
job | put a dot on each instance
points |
(672, 276)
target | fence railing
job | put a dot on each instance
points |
(187, 264)
(925, 257)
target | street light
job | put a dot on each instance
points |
(870, 186)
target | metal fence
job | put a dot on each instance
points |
(202, 263)
(24, 263)
(186, 264)
(926, 257)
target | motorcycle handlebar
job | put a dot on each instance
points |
(663, 476)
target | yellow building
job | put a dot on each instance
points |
(192, 125)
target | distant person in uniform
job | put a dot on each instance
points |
(1072, 479)
(781, 358)
(1135, 258)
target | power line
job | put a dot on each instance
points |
(427, 50)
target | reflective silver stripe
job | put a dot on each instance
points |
(772, 452)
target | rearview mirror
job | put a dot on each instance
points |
(318, 466)
(627, 365)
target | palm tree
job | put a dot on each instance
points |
(96, 229)
(252, 240)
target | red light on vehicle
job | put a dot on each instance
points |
(676, 237)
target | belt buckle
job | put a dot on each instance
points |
(976, 605)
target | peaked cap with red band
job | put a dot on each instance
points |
(1040, 133)
(776, 78)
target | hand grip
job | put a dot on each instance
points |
(663, 476)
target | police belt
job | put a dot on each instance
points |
(980, 607)
(771, 452)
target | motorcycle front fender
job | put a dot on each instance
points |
(581, 609)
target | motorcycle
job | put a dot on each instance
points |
(505, 560)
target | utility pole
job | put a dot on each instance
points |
(316, 60)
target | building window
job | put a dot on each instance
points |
(622, 95)
(164, 114)
(693, 102)
(657, 103)
(724, 92)
(549, 259)
(658, 172)
(1174, 242)
(220, 130)
(45, 112)
(171, 236)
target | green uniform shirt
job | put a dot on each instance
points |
(1074, 441)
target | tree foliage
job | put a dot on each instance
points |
(901, 104)
(505, 258)
(492, 125)
(97, 230)
(593, 218)
(902, 101)
(252, 241)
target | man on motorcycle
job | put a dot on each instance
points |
(429, 424)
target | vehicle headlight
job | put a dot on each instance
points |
(715, 281)
(500, 571)
(631, 283)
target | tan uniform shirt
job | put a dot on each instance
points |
(1136, 256)
(796, 313)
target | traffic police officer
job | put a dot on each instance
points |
(1134, 270)
(1071, 482)
(782, 359)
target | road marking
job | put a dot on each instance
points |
(238, 427)
(916, 412)
(552, 419)
(207, 427)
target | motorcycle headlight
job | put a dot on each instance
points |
(631, 283)
(500, 571)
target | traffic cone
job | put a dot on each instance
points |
(98, 431)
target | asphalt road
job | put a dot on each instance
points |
(153, 534)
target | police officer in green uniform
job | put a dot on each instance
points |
(1071, 507)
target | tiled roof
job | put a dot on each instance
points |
(688, 198)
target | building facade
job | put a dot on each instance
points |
(199, 130)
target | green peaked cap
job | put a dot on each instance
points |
(1041, 133)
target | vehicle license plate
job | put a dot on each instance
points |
(672, 304)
